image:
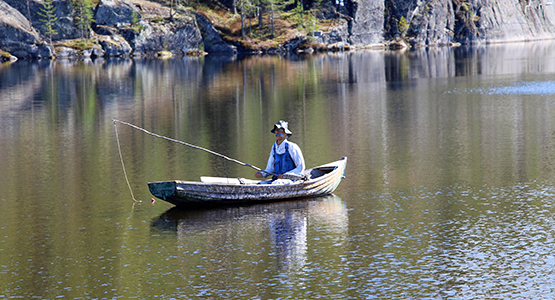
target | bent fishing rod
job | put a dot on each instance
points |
(285, 176)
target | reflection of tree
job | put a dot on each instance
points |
(396, 66)
(19, 86)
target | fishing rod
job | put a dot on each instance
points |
(285, 176)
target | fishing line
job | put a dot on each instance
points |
(289, 176)
(187, 144)
(122, 164)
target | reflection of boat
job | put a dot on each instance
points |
(321, 180)
(328, 209)
(283, 226)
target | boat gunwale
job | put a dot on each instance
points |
(202, 194)
(338, 164)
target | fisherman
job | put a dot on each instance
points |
(285, 158)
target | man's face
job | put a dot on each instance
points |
(280, 135)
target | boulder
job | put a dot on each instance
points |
(179, 37)
(338, 34)
(87, 53)
(5, 56)
(96, 52)
(213, 42)
(45, 51)
(293, 44)
(115, 46)
(17, 36)
(104, 30)
(115, 13)
(64, 52)
(92, 53)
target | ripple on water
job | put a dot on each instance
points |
(462, 243)
(517, 88)
(525, 88)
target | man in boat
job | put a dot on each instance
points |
(285, 157)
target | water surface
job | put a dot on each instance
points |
(448, 191)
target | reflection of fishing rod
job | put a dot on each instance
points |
(286, 176)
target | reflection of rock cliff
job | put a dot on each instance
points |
(140, 27)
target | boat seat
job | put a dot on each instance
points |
(224, 180)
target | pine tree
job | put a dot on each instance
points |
(49, 17)
(276, 6)
(244, 6)
(83, 16)
(29, 12)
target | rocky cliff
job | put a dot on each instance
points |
(440, 22)
(140, 27)
(120, 29)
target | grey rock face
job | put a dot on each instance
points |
(436, 23)
(339, 34)
(15, 27)
(16, 34)
(503, 21)
(64, 52)
(177, 37)
(431, 24)
(115, 46)
(121, 32)
(45, 51)
(64, 11)
(213, 43)
(112, 13)
(366, 26)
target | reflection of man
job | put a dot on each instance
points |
(289, 233)
(285, 158)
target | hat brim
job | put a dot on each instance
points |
(277, 127)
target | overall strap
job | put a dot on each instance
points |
(286, 147)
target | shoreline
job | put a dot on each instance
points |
(65, 53)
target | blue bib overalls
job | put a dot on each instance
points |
(283, 163)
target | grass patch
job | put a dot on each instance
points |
(5, 54)
(78, 44)
(287, 25)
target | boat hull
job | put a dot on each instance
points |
(323, 180)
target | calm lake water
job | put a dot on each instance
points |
(449, 190)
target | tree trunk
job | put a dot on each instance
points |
(242, 20)
(272, 21)
(302, 12)
(29, 13)
(171, 10)
(250, 26)
(260, 21)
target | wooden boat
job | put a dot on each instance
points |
(210, 191)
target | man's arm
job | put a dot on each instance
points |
(298, 159)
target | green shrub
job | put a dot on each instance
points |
(403, 26)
